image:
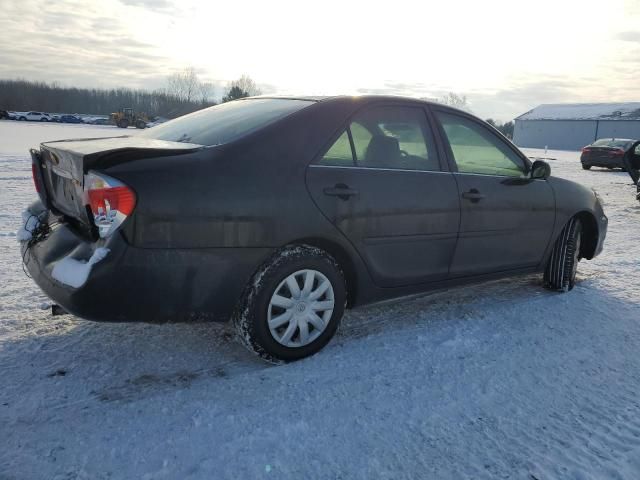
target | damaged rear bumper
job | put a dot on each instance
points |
(138, 284)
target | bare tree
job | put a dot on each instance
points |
(184, 85)
(240, 88)
(454, 100)
(246, 83)
(206, 91)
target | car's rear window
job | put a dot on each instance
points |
(612, 142)
(225, 122)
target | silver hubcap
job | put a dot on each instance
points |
(300, 308)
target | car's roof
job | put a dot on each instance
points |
(328, 98)
(356, 98)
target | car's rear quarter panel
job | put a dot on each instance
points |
(248, 196)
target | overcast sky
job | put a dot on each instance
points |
(506, 56)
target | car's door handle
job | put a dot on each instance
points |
(473, 195)
(341, 191)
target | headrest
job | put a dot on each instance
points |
(382, 150)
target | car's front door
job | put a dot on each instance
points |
(382, 184)
(507, 218)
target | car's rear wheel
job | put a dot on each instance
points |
(562, 267)
(586, 167)
(293, 305)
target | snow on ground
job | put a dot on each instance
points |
(16, 138)
(500, 380)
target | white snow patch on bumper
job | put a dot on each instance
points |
(74, 272)
(30, 222)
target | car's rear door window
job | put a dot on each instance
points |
(361, 138)
(340, 153)
(477, 150)
(394, 137)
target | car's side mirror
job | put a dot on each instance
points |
(540, 170)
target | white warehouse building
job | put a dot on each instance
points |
(571, 126)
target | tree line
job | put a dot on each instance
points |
(185, 93)
(460, 101)
(505, 128)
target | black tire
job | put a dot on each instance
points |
(140, 124)
(586, 167)
(250, 317)
(23, 119)
(123, 123)
(560, 274)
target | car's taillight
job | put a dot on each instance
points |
(617, 152)
(586, 150)
(110, 201)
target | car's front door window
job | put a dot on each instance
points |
(476, 150)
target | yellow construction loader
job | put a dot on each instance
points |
(127, 117)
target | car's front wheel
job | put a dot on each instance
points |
(586, 167)
(562, 267)
(293, 305)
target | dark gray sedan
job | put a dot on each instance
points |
(280, 212)
(609, 153)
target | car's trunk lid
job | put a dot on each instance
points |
(597, 153)
(63, 164)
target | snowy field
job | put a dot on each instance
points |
(500, 380)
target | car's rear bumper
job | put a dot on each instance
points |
(149, 285)
(603, 162)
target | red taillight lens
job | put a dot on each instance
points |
(110, 201)
(121, 199)
(34, 174)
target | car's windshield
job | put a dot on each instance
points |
(612, 142)
(226, 122)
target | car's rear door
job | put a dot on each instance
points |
(507, 218)
(382, 183)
